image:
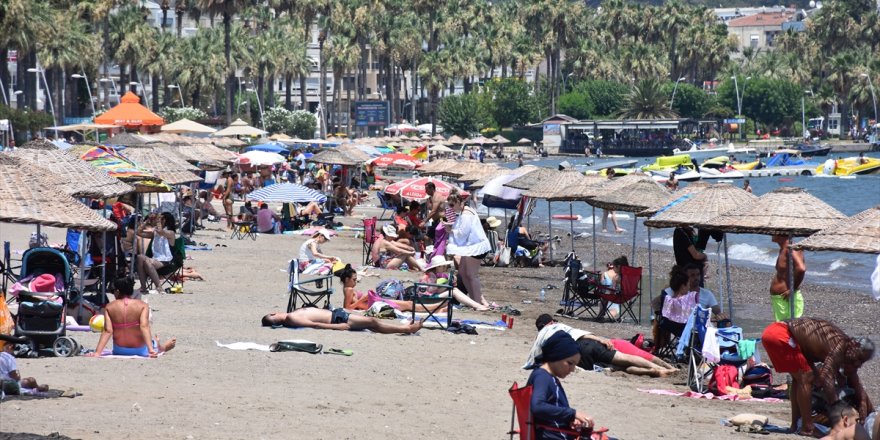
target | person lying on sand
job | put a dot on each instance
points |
(846, 425)
(127, 321)
(596, 350)
(337, 319)
(354, 300)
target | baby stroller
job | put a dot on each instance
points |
(39, 320)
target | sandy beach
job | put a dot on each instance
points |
(431, 384)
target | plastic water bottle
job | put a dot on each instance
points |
(543, 295)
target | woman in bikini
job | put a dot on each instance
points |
(231, 181)
(354, 300)
(127, 321)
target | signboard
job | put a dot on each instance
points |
(371, 113)
(4, 124)
(12, 56)
(735, 121)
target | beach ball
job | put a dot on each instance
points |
(96, 323)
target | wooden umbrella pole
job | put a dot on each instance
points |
(650, 270)
(135, 242)
(550, 230)
(632, 261)
(571, 223)
(727, 276)
(594, 238)
(791, 291)
(82, 260)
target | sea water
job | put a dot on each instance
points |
(849, 196)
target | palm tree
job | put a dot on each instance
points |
(67, 47)
(22, 28)
(647, 101)
(227, 9)
(343, 55)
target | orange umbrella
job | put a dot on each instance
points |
(129, 113)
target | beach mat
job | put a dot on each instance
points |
(710, 396)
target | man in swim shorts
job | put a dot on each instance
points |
(596, 350)
(796, 346)
(337, 319)
(779, 288)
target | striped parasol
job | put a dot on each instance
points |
(287, 193)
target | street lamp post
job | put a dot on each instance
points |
(6, 101)
(873, 96)
(177, 86)
(805, 133)
(260, 105)
(17, 98)
(564, 88)
(143, 91)
(42, 74)
(115, 90)
(674, 88)
(88, 87)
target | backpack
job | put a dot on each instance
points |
(760, 378)
(724, 376)
(391, 288)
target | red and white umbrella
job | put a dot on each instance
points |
(414, 189)
(397, 160)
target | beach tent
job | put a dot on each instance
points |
(270, 147)
(702, 203)
(130, 113)
(239, 128)
(784, 211)
(187, 126)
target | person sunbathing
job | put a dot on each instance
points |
(434, 276)
(127, 321)
(389, 254)
(596, 350)
(337, 319)
(354, 300)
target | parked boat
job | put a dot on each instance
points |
(850, 166)
(810, 150)
(719, 168)
(787, 158)
(699, 152)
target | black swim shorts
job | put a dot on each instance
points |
(339, 316)
(594, 353)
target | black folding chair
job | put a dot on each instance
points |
(242, 230)
(442, 297)
(308, 297)
(579, 299)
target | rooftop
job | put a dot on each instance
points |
(762, 19)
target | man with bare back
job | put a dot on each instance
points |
(337, 319)
(779, 288)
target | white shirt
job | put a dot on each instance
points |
(300, 161)
(7, 365)
(545, 334)
(161, 248)
(305, 251)
(467, 237)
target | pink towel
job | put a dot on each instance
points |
(695, 395)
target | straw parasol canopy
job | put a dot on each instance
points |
(523, 141)
(39, 144)
(701, 206)
(859, 233)
(438, 166)
(501, 139)
(240, 128)
(691, 188)
(466, 168)
(353, 152)
(129, 140)
(580, 188)
(532, 178)
(439, 148)
(167, 167)
(455, 139)
(76, 178)
(631, 198)
(186, 126)
(334, 157)
(477, 173)
(27, 195)
(499, 172)
(227, 142)
(784, 211)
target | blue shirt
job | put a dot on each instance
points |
(549, 406)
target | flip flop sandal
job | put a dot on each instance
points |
(340, 351)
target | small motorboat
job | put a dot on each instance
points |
(747, 166)
(682, 174)
(813, 149)
(850, 166)
(719, 168)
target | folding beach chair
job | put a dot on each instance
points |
(442, 298)
(579, 290)
(522, 412)
(492, 257)
(700, 369)
(630, 291)
(244, 229)
(369, 238)
(307, 297)
(386, 204)
(8, 270)
(171, 273)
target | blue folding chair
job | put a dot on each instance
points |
(386, 205)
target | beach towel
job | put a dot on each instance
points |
(710, 396)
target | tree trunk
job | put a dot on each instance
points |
(5, 78)
(270, 98)
(230, 75)
(288, 94)
(105, 45)
(154, 81)
(180, 23)
(261, 82)
(334, 104)
(414, 78)
(348, 111)
(322, 93)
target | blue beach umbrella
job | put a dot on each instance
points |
(271, 147)
(287, 193)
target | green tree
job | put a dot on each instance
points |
(607, 96)
(463, 115)
(690, 101)
(303, 124)
(772, 102)
(577, 104)
(509, 101)
(647, 101)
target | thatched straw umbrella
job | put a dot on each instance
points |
(566, 186)
(785, 211)
(532, 178)
(697, 206)
(171, 170)
(477, 173)
(39, 144)
(691, 188)
(501, 139)
(482, 181)
(78, 179)
(438, 166)
(467, 168)
(28, 196)
(129, 140)
(858, 234)
(353, 152)
(334, 157)
(456, 140)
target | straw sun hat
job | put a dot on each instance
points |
(493, 222)
(437, 261)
